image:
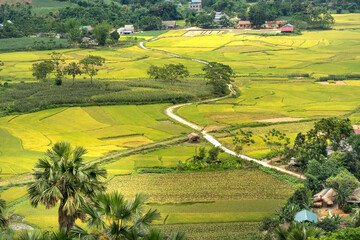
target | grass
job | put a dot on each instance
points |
(30, 97)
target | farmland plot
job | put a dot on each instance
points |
(98, 129)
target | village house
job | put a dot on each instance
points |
(219, 15)
(274, 24)
(169, 24)
(244, 25)
(288, 28)
(195, 5)
(126, 30)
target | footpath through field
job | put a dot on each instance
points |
(208, 137)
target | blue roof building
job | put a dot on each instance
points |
(305, 216)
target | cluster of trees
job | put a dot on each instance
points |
(64, 179)
(209, 159)
(217, 74)
(169, 73)
(56, 66)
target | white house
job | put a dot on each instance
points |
(126, 30)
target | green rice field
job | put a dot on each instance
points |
(98, 129)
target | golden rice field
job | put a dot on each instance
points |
(316, 53)
(123, 63)
(345, 21)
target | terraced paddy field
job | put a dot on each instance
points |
(233, 202)
(24, 138)
(317, 53)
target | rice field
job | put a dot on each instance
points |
(24, 138)
(239, 198)
(345, 21)
(276, 101)
(316, 53)
(121, 64)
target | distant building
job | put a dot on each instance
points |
(288, 28)
(244, 24)
(60, 35)
(274, 24)
(169, 24)
(88, 28)
(219, 15)
(126, 30)
(196, 5)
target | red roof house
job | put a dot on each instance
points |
(357, 131)
(288, 28)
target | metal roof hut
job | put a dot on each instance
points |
(306, 216)
(324, 198)
(193, 138)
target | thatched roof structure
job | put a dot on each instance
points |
(355, 196)
(193, 137)
(324, 198)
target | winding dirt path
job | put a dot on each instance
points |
(208, 137)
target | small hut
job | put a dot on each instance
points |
(193, 138)
(355, 197)
(306, 216)
(324, 198)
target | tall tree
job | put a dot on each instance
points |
(101, 32)
(43, 69)
(169, 73)
(219, 76)
(63, 178)
(73, 69)
(58, 61)
(91, 64)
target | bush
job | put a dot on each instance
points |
(329, 224)
(347, 208)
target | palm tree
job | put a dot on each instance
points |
(63, 178)
(118, 218)
(73, 69)
(298, 231)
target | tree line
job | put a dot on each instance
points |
(56, 66)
